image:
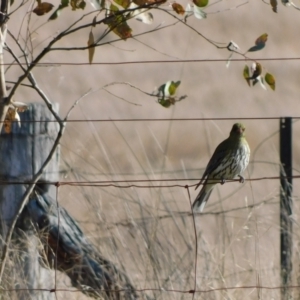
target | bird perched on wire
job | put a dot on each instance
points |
(229, 160)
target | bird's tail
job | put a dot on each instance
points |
(202, 197)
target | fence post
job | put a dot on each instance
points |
(23, 151)
(46, 237)
(286, 242)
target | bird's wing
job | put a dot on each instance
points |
(215, 161)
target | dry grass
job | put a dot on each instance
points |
(149, 232)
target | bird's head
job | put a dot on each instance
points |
(237, 130)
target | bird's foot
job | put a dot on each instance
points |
(223, 181)
(242, 179)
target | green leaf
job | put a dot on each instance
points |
(117, 23)
(113, 8)
(123, 3)
(63, 4)
(256, 48)
(161, 89)
(168, 89)
(173, 87)
(261, 40)
(166, 93)
(123, 30)
(55, 15)
(246, 74)
(139, 2)
(164, 102)
(76, 4)
(274, 5)
(200, 3)
(270, 80)
(91, 50)
(94, 21)
(260, 43)
(82, 5)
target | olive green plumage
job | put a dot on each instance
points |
(229, 160)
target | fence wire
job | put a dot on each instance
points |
(174, 273)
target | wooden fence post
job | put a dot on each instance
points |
(22, 152)
(286, 229)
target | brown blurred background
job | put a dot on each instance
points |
(148, 231)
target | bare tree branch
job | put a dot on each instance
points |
(4, 102)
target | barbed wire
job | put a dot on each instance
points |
(129, 223)
(53, 64)
(156, 289)
(114, 183)
(161, 119)
(149, 184)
